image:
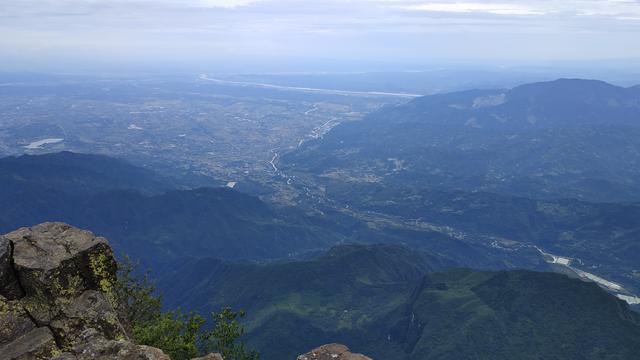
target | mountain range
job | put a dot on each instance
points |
(400, 304)
(552, 165)
(484, 224)
(152, 221)
(156, 226)
(560, 139)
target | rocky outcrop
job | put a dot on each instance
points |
(94, 345)
(57, 299)
(332, 352)
(210, 357)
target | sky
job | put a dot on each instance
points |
(200, 32)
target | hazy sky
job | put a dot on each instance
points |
(403, 31)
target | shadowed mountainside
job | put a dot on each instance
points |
(386, 301)
(158, 228)
(565, 138)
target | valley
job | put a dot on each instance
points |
(347, 215)
(277, 143)
(319, 180)
(374, 298)
(616, 289)
(208, 133)
(421, 164)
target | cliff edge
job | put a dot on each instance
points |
(56, 297)
(57, 300)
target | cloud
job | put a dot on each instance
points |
(386, 30)
(73, 6)
(602, 8)
(615, 9)
(476, 7)
(229, 4)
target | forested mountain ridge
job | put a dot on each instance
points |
(63, 296)
(393, 303)
(559, 139)
(158, 227)
(412, 234)
(75, 174)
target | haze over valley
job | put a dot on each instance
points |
(345, 180)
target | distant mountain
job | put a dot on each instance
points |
(477, 230)
(142, 213)
(553, 165)
(128, 205)
(133, 207)
(512, 315)
(566, 138)
(377, 299)
(292, 305)
(201, 222)
(75, 174)
(599, 237)
(368, 264)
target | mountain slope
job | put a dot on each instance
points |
(135, 208)
(517, 314)
(292, 305)
(200, 222)
(161, 227)
(567, 138)
(77, 174)
(375, 299)
(365, 265)
(600, 237)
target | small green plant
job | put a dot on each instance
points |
(223, 338)
(137, 302)
(179, 335)
(173, 332)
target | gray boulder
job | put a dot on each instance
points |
(67, 277)
(94, 346)
(332, 352)
(14, 321)
(210, 357)
(57, 297)
(37, 344)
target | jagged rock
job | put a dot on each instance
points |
(67, 276)
(210, 357)
(56, 297)
(89, 310)
(332, 352)
(14, 321)
(37, 344)
(93, 345)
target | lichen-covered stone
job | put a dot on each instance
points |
(60, 281)
(59, 261)
(67, 275)
(210, 357)
(332, 352)
(92, 345)
(89, 310)
(14, 321)
(57, 298)
(37, 344)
